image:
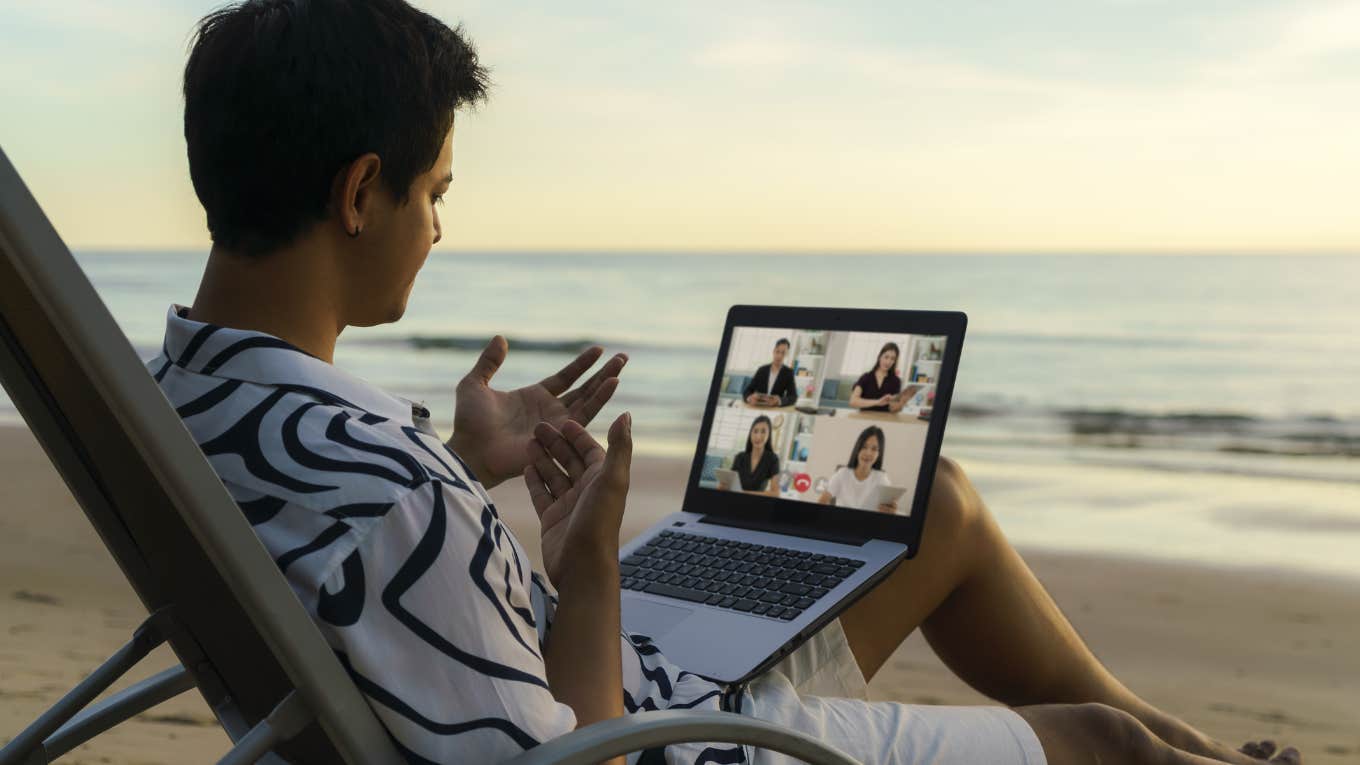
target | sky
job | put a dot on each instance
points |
(906, 126)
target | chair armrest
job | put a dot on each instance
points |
(644, 730)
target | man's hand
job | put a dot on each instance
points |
(578, 490)
(492, 428)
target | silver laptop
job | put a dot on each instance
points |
(795, 510)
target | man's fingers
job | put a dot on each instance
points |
(557, 384)
(582, 442)
(610, 370)
(493, 355)
(585, 410)
(620, 456)
(538, 490)
(560, 449)
(551, 474)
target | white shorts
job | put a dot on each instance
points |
(819, 690)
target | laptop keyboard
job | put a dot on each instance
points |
(775, 582)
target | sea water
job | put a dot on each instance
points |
(1193, 407)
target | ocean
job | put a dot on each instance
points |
(1187, 407)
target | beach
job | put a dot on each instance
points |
(1243, 652)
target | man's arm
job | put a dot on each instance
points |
(579, 491)
(583, 658)
(751, 385)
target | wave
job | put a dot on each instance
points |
(1311, 435)
(1302, 435)
(1095, 421)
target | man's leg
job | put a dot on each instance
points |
(990, 620)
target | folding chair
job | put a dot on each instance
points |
(212, 591)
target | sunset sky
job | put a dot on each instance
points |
(1066, 125)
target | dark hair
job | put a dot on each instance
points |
(768, 425)
(781, 341)
(872, 430)
(887, 347)
(280, 95)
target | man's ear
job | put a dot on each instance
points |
(352, 194)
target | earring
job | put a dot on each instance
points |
(355, 233)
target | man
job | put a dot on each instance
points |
(320, 139)
(772, 384)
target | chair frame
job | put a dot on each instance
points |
(104, 422)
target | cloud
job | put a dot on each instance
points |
(1293, 41)
(754, 53)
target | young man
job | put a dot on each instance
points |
(772, 384)
(320, 142)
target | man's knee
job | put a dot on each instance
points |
(955, 507)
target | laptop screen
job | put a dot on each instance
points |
(837, 418)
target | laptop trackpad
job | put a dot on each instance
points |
(652, 619)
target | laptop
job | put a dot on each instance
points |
(765, 569)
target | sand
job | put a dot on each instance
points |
(1239, 653)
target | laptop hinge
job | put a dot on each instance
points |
(787, 528)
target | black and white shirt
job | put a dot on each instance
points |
(396, 551)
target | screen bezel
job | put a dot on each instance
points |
(778, 512)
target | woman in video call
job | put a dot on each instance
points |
(856, 483)
(876, 390)
(757, 465)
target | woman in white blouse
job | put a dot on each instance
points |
(856, 483)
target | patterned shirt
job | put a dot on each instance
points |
(397, 552)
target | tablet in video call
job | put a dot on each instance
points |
(838, 418)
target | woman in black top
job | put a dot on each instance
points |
(757, 466)
(877, 389)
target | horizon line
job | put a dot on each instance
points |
(804, 251)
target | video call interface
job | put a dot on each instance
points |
(835, 418)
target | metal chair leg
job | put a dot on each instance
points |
(149, 634)
(117, 708)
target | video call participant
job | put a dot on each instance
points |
(877, 390)
(772, 384)
(757, 466)
(856, 483)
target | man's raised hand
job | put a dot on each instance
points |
(492, 428)
(578, 490)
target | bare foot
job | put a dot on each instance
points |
(1262, 750)
(1185, 737)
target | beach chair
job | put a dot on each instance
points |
(212, 592)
